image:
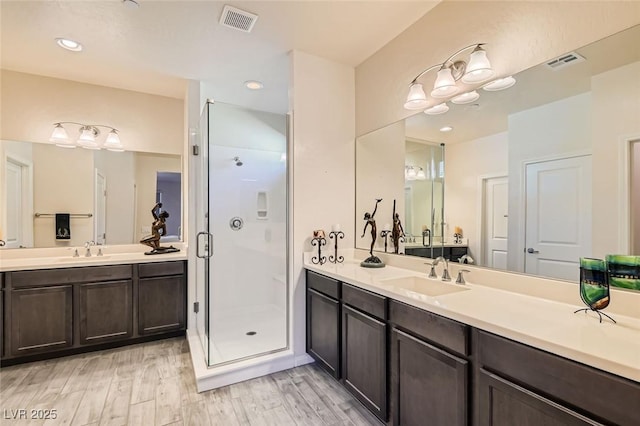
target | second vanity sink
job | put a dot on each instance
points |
(423, 286)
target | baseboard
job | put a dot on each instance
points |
(303, 360)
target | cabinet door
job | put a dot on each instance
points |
(41, 319)
(323, 332)
(428, 385)
(161, 304)
(503, 403)
(364, 359)
(106, 311)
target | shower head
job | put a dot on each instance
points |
(237, 160)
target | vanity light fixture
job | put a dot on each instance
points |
(499, 84)
(88, 137)
(466, 98)
(437, 109)
(69, 44)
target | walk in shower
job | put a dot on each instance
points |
(241, 218)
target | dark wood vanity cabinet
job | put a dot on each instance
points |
(41, 319)
(452, 254)
(161, 298)
(364, 348)
(323, 322)
(423, 368)
(105, 311)
(55, 312)
(429, 374)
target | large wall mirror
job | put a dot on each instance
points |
(535, 176)
(107, 195)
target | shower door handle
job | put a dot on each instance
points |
(208, 246)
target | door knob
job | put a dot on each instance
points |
(532, 251)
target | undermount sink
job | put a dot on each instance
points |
(423, 286)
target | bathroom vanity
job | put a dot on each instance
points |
(411, 349)
(58, 310)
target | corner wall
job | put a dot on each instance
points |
(323, 154)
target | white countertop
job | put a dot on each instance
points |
(545, 324)
(29, 259)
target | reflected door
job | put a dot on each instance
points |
(495, 218)
(558, 216)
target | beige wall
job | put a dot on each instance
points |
(635, 200)
(616, 119)
(519, 34)
(379, 169)
(323, 107)
(63, 183)
(465, 165)
(147, 167)
(32, 103)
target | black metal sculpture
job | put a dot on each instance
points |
(397, 232)
(372, 261)
(158, 229)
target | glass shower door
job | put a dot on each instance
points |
(246, 233)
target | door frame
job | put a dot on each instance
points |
(98, 172)
(480, 219)
(522, 205)
(27, 201)
(624, 191)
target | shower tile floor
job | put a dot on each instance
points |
(230, 341)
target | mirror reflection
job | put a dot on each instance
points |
(55, 197)
(538, 175)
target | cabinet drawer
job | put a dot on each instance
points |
(160, 269)
(443, 331)
(324, 285)
(364, 300)
(599, 394)
(70, 275)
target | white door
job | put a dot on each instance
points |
(100, 208)
(558, 216)
(495, 222)
(19, 204)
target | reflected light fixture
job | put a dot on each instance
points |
(499, 84)
(69, 44)
(472, 71)
(88, 137)
(253, 85)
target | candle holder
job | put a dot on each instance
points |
(320, 259)
(384, 235)
(334, 258)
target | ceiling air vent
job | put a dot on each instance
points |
(237, 19)
(565, 60)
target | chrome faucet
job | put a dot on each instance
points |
(445, 273)
(432, 272)
(87, 245)
(466, 259)
(460, 279)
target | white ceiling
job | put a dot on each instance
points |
(159, 45)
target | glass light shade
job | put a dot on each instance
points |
(466, 98)
(499, 84)
(59, 134)
(87, 138)
(416, 99)
(411, 173)
(420, 175)
(479, 68)
(445, 84)
(438, 109)
(112, 143)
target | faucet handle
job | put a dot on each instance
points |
(99, 251)
(460, 279)
(432, 272)
(75, 253)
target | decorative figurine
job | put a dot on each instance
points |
(397, 233)
(372, 261)
(159, 224)
(594, 286)
(318, 240)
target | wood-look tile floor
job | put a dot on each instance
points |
(153, 384)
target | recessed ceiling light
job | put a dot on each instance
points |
(68, 44)
(253, 85)
(131, 4)
(446, 129)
